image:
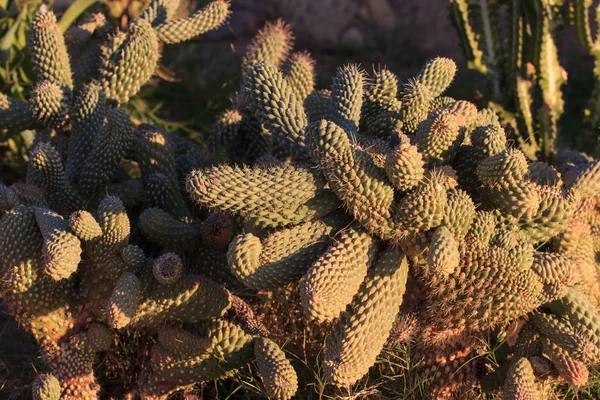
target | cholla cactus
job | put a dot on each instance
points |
(520, 382)
(364, 203)
(120, 62)
(278, 375)
(272, 46)
(489, 236)
(45, 387)
(77, 268)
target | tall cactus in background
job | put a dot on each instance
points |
(583, 27)
(523, 69)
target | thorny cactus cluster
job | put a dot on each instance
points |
(383, 206)
(454, 233)
(75, 271)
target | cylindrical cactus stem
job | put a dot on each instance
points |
(231, 348)
(437, 75)
(278, 375)
(529, 342)
(48, 51)
(459, 213)
(587, 182)
(562, 334)
(555, 211)
(114, 222)
(182, 343)
(483, 227)
(416, 99)
(573, 371)
(50, 102)
(520, 199)
(276, 107)
(544, 175)
(214, 265)
(131, 193)
(45, 387)
(109, 149)
(493, 285)
(442, 102)
(226, 131)
(377, 148)
(217, 230)
(488, 140)
(318, 105)
(161, 228)
(159, 11)
(555, 271)
(404, 166)
(520, 383)
(346, 98)
(271, 45)
(506, 166)
(190, 299)
(283, 256)
(60, 195)
(584, 317)
(464, 109)
(85, 45)
(29, 195)
(178, 30)
(85, 226)
(380, 92)
(160, 192)
(62, 249)
(88, 115)
(105, 251)
(424, 207)
(359, 183)
(438, 137)
(359, 336)
(15, 114)
(335, 277)
(41, 305)
(155, 151)
(443, 257)
(128, 61)
(8, 198)
(133, 256)
(299, 73)
(270, 196)
(72, 362)
(386, 121)
(244, 314)
(124, 300)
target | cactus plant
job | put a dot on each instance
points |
(416, 189)
(359, 205)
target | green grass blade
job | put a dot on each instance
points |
(73, 12)
(7, 40)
